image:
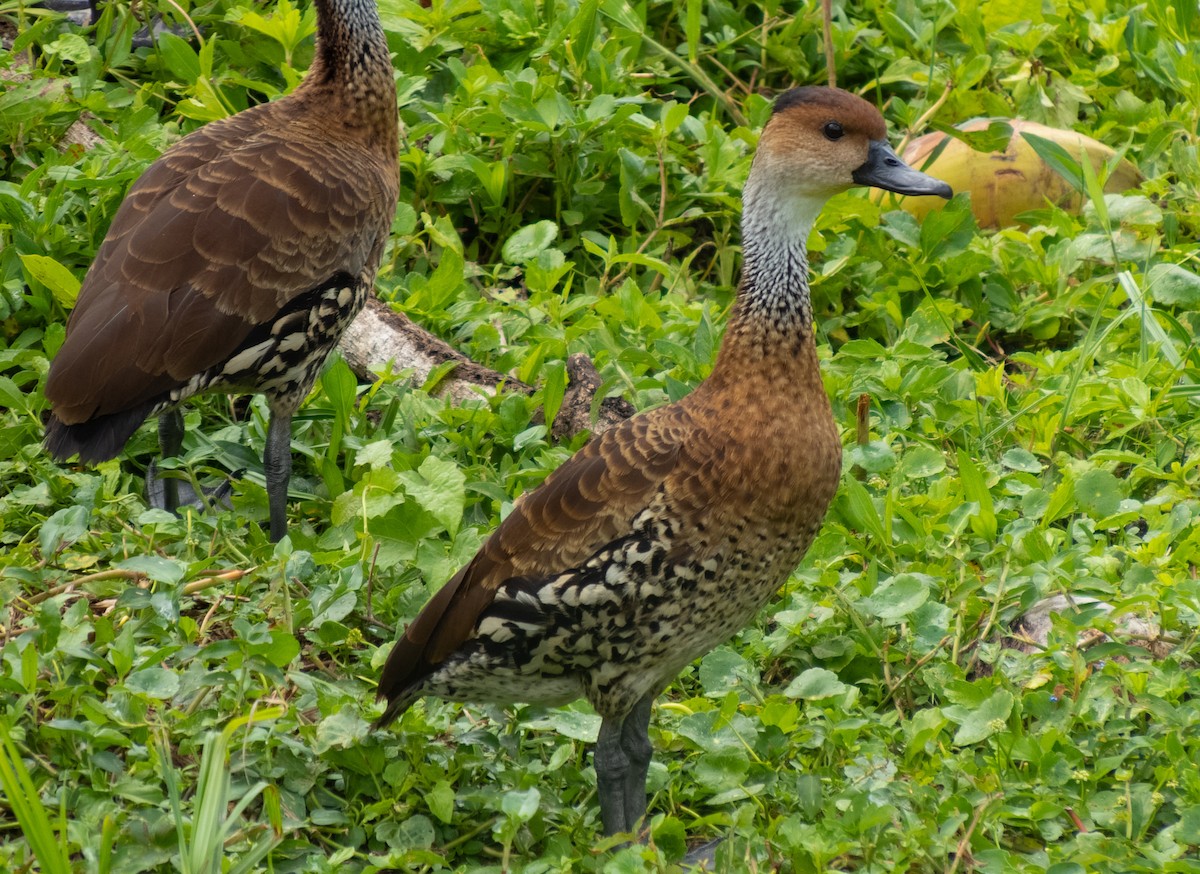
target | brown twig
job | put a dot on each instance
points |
(70, 585)
(830, 62)
(963, 842)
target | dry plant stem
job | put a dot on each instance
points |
(991, 620)
(920, 663)
(62, 588)
(965, 840)
(830, 62)
(208, 615)
(370, 614)
(863, 420)
(188, 19)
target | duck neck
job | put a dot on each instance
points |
(772, 316)
(352, 56)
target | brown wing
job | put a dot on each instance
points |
(228, 226)
(587, 503)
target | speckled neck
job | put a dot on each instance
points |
(352, 56)
(773, 312)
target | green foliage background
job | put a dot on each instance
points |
(571, 174)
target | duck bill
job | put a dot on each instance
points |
(885, 169)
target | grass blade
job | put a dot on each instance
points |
(26, 805)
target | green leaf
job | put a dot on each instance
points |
(180, 57)
(157, 568)
(569, 723)
(527, 243)
(71, 47)
(921, 462)
(554, 389)
(61, 282)
(65, 527)
(1174, 285)
(860, 509)
(898, 597)
(692, 27)
(343, 730)
(439, 487)
(815, 683)
(440, 800)
(723, 670)
(1098, 493)
(975, 489)
(520, 806)
(154, 682)
(983, 721)
(583, 31)
(1022, 460)
(1187, 830)
(1059, 160)
(50, 851)
(280, 651)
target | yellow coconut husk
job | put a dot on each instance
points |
(1005, 184)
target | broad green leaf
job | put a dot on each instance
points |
(521, 806)
(63, 528)
(280, 651)
(154, 682)
(415, 831)
(440, 799)
(815, 683)
(71, 47)
(898, 597)
(722, 670)
(58, 279)
(1098, 493)
(1022, 460)
(1187, 830)
(983, 721)
(921, 462)
(343, 730)
(569, 723)
(180, 57)
(1174, 285)
(439, 487)
(157, 568)
(529, 241)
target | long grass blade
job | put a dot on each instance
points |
(26, 805)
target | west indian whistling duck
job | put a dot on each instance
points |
(237, 259)
(666, 534)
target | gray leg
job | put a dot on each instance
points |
(635, 741)
(622, 760)
(277, 464)
(170, 440)
(612, 769)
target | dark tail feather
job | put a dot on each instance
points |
(395, 709)
(396, 683)
(97, 439)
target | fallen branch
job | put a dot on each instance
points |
(383, 340)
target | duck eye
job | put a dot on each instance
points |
(833, 131)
